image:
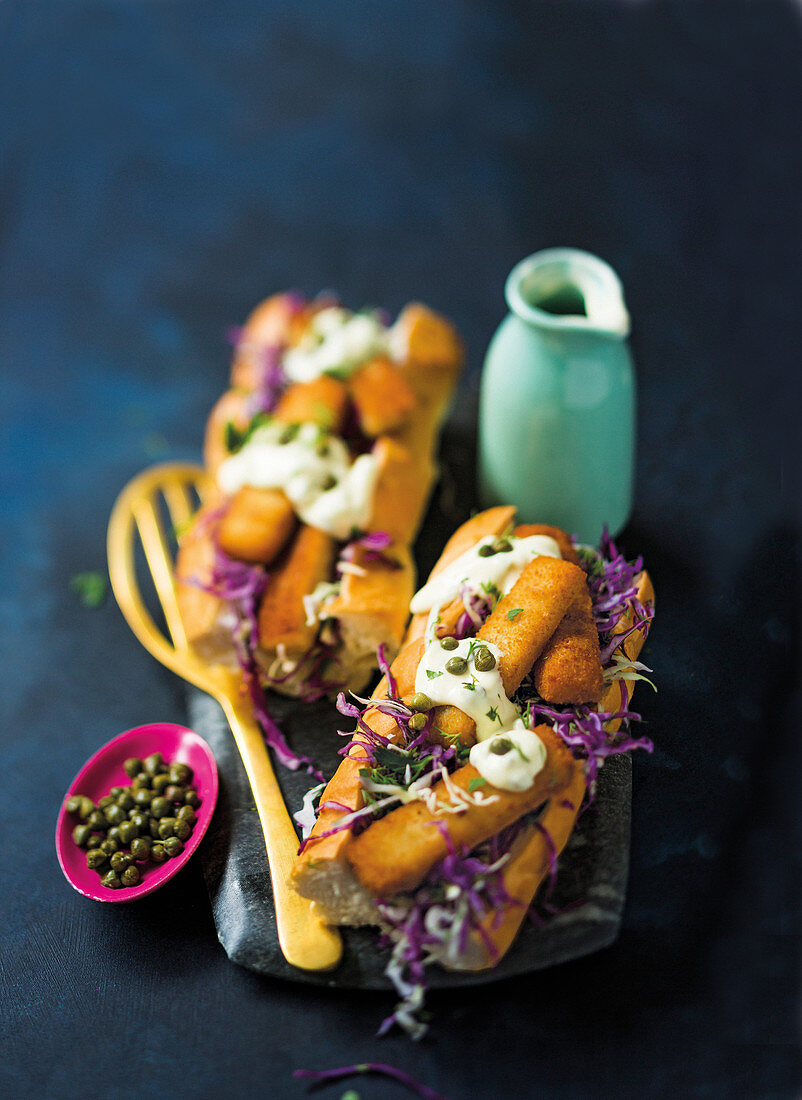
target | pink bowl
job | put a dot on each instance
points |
(105, 770)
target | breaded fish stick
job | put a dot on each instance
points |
(322, 401)
(282, 616)
(396, 852)
(520, 625)
(382, 396)
(256, 525)
(569, 669)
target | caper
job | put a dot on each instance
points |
(153, 764)
(115, 815)
(97, 820)
(182, 829)
(161, 781)
(158, 854)
(449, 643)
(141, 782)
(95, 840)
(95, 858)
(120, 860)
(132, 766)
(112, 880)
(180, 774)
(329, 481)
(128, 832)
(417, 721)
(501, 746)
(167, 827)
(113, 834)
(105, 801)
(322, 448)
(109, 846)
(159, 807)
(457, 666)
(140, 819)
(174, 793)
(186, 813)
(484, 660)
(173, 846)
(140, 848)
(115, 792)
(503, 546)
(192, 798)
(487, 550)
(143, 796)
(288, 434)
(73, 805)
(80, 835)
(420, 701)
(153, 828)
(125, 801)
(130, 876)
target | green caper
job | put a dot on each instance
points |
(97, 820)
(111, 880)
(140, 820)
(183, 830)
(420, 701)
(161, 781)
(128, 832)
(120, 860)
(140, 848)
(192, 798)
(457, 666)
(322, 448)
(130, 876)
(109, 846)
(113, 834)
(153, 764)
(141, 782)
(484, 660)
(448, 642)
(115, 792)
(167, 827)
(158, 854)
(173, 846)
(80, 835)
(174, 793)
(105, 801)
(501, 746)
(115, 815)
(288, 434)
(153, 828)
(95, 858)
(180, 774)
(126, 801)
(159, 807)
(186, 813)
(95, 840)
(487, 550)
(132, 766)
(417, 721)
(143, 796)
(329, 481)
(503, 546)
(73, 805)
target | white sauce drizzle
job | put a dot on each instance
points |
(298, 469)
(337, 342)
(479, 694)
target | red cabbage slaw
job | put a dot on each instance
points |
(459, 892)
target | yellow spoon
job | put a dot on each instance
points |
(173, 489)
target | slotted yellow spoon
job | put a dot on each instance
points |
(305, 940)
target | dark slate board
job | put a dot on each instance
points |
(590, 884)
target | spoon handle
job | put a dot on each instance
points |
(305, 940)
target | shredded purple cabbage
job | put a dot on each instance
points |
(378, 1068)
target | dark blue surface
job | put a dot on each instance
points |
(164, 165)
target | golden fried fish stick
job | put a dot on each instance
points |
(382, 396)
(569, 669)
(282, 615)
(322, 401)
(256, 525)
(396, 852)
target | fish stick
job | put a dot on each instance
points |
(256, 525)
(322, 401)
(520, 625)
(383, 398)
(282, 616)
(398, 502)
(396, 852)
(569, 669)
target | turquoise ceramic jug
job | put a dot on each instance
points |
(557, 401)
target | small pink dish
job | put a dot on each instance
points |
(105, 770)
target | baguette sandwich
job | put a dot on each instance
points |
(471, 761)
(322, 459)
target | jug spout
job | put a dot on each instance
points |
(567, 289)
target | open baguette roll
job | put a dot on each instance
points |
(346, 871)
(328, 601)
